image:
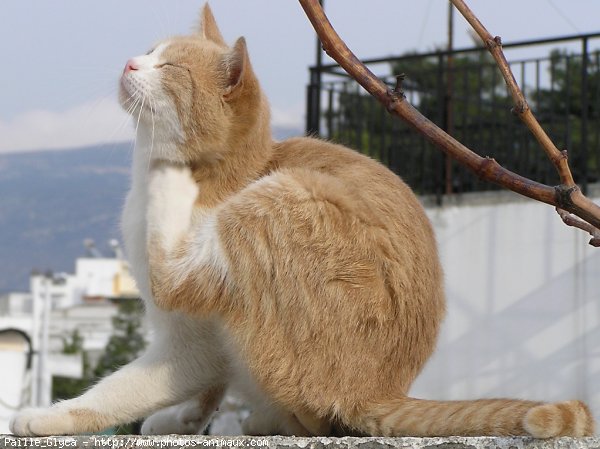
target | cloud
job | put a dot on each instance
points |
(287, 118)
(100, 121)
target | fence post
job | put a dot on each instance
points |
(440, 182)
(313, 103)
(584, 114)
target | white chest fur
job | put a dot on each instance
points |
(151, 141)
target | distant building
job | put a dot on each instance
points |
(39, 321)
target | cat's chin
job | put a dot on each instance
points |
(129, 99)
(125, 99)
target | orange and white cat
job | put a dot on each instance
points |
(301, 272)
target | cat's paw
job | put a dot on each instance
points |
(183, 419)
(57, 420)
(42, 422)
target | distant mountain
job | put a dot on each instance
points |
(50, 201)
(281, 132)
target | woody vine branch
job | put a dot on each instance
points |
(574, 208)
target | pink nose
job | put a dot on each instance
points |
(131, 65)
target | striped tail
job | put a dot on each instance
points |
(497, 417)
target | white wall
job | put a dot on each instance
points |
(13, 358)
(11, 385)
(93, 322)
(60, 289)
(15, 304)
(523, 306)
(95, 276)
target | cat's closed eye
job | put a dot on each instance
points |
(167, 64)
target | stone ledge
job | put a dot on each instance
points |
(276, 442)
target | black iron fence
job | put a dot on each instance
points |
(463, 92)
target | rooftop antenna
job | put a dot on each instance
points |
(116, 247)
(90, 249)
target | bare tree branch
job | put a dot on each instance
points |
(566, 196)
(571, 220)
(522, 109)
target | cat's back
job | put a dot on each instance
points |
(374, 191)
(346, 212)
(332, 196)
(358, 194)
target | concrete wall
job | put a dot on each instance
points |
(523, 296)
(198, 441)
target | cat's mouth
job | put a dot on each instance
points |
(134, 95)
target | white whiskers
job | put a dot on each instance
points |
(137, 125)
(130, 104)
(152, 110)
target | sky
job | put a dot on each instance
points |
(61, 59)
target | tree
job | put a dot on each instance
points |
(567, 106)
(479, 116)
(126, 342)
(66, 387)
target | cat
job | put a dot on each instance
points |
(302, 272)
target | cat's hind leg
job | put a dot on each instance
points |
(315, 425)
(267, 419)
(188, 418)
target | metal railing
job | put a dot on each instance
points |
(463, 92)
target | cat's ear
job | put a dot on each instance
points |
(237, 69)
(208, 27)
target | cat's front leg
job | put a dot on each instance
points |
(187, 265)
(172, 192)
(175, 367)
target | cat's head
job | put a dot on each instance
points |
(192, 95)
